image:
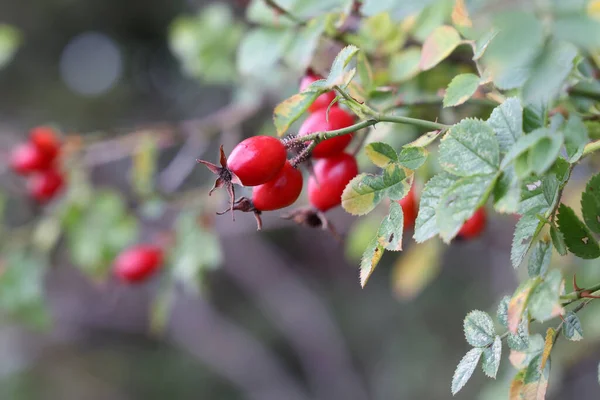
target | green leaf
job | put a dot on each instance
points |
(578, 29)
(507, 122)
(539, 261)
(381, 154)
(343, 58)
(289, 110)
(578, 237)
(502, 311)
(426, 225)
(365, 72)
(521, 359)
(536, 380)
(590, 204)
(558, 240)
(491, 358)
(550, 188)
(424, 140)
(534, 116)
(525, 143)
(261, 48)
(370, 259)
(483, 42)
(364, 192)
(527, 229)
(412, 157)
(544, 153)
(576, 137)
(470, 148)
(398, 9)
(439, 45)
(390, 231)
(549, 72)
(305, 42)
(10, 40)
(544, 301)
(572, 327)
(519, 341)
(404, 64)
(461, 89)
(479, 329)
(518, 303)
(465, 369)
(460, 202)
(507, 192)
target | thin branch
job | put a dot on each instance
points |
(282, 11)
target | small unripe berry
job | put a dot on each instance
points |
(138, 263)
(280, 192)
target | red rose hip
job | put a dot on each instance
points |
(410, 208)
(45, 139)
(474, 225)
(27, 158)
(44, 186)
(324, 100)
(138, 263)
(280, 192)
(318, 122)
(257, 160)
(331, 175)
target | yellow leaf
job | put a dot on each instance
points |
(460, 14)
(550, 333)
(416, 268)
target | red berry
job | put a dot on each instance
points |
(280, 192)
(257, 160)
(26, 158)
(45, 185)
(138, 263)
(317, 122)
(324, 100)
(331, 175)
(46, 141)
(474, 225)
(410, 208)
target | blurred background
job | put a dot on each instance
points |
(141, 89)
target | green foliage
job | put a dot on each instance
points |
(465, 369)
(507, 122)
(439, 45)
(461, 89)
(576, 137)
(381, 154)
(426, 225)
(539, 261)
(544, 300)
(10, 40)
(479, 329)
(578, 237)
(502, 311)
(590, 204)
(572, 327)
(491, 358)
(519, 341)
(412, 157)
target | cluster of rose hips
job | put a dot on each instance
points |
(38, 160)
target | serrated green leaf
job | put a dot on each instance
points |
(526, 230)
(507, 192)
(465, 369)
(460, 202)
(539, 261)
(521, 359)
(470, 148)
(365, 191)
(534, 116)
(391, 228)
(370, 259)
(261, 48)
(578, 29)
(479, 329)
(544, 300)
(578, 237)
(491, 358)
(550, 187)
(502, 312)
(519, 341)
(381, 154)
(438, 45)
(461, 89)
(576, 137)
(525, 143)
(536, 380)
(337, 75)
(424, 140)
(544, 153)
(289, 110)
(572, 327)
(482, 43)
(518, 303)
(404, 64)
(507, 122)
(590, 204)
(426, 225)
(558, 240)
(412, 157)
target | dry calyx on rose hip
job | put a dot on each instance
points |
(37, 160)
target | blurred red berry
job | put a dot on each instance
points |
(318, 122)
(138, 263)
(410, 208)
(331, 175)
(474, 225)
(280, 192)
(44, 186)
(45, 139)
(27, 158)
(257, 160)
(324, 100)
